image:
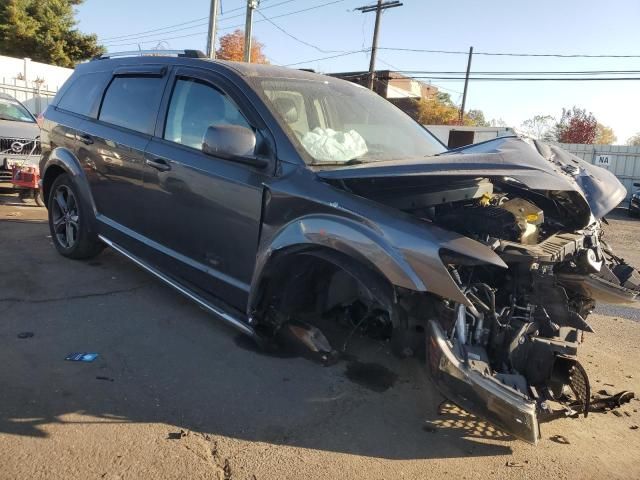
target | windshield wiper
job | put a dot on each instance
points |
(353, 161)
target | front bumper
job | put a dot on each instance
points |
(479, 394)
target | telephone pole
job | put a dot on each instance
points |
(466, 84)
(248, 27)
(378, 8)
(213, 23)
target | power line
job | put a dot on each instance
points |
(172, 29)
(531, 79)
(296, 38)
(328, 58)
(509, 54)
(231, 27)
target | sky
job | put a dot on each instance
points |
(511, 26)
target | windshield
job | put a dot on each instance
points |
(339, 123)
(14, 111)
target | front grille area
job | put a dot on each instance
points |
(19, 146)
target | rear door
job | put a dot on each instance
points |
(202, 213)
(112, 146)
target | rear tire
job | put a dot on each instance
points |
(69, 220)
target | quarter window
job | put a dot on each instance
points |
(132, 102)
(83, 93)
(194, 107)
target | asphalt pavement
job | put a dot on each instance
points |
(174, 393)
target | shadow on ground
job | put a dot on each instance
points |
(162, 360)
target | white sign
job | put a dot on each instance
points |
(603, 160)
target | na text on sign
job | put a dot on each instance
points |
(603, 160)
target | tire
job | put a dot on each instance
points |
(68, 221)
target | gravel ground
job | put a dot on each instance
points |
(176, 394)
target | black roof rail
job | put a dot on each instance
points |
(152, 53)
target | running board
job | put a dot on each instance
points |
(230, 319)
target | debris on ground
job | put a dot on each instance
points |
(25, 335)
(633, 427)
(108, 379)
(560, 439)
(81, 357)
(514, 465)
(176, 435)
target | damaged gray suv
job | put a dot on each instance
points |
(268, 195)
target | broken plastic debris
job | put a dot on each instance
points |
(25, 335)
(81, 357)
(327, 145)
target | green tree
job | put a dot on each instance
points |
(604, 135)
(45, 31)
(539, 127)
(634, 141)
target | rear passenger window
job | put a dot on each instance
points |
(132, 102)
(83, 93)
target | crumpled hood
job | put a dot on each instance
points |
(537, 165)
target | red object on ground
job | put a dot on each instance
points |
(25, 176)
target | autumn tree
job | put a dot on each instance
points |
(439, 109)
(539, 127)
(634, 141)
(232, 48)
(576, 126)
(45, 31)
(604, 135)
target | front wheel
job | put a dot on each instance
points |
(68, 221)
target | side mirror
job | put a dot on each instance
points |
(232, 142)
(636, 184)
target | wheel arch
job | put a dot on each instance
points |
(349, 246)
(63, 161)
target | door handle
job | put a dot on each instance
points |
(158, 163)
(86, 138)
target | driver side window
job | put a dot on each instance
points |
(194, 107)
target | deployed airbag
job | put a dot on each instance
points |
(327, 145)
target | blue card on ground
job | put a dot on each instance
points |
(81, 357)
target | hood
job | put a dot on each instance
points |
(13, 129)
(537, 165)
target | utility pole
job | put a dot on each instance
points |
(248, 27)
(213, 23)
(378, 8)
(466, 84)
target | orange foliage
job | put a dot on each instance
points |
(232, 48)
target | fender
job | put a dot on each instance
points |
(63, 158)
(405, 266)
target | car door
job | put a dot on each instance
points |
(112, 147)
(202, 212)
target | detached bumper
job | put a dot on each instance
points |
(479, 394)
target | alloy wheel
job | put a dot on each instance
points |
(65, 216)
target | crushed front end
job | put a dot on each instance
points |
(510, 353)
(504, 344)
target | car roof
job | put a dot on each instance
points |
(6, 96)
(240, 68)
